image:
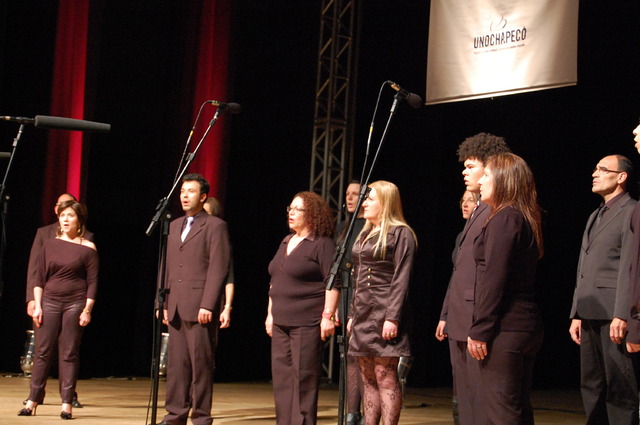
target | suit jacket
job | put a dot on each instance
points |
(42, 235)
(506, 257)
(197, 268)
(457, 309)
(602, 284)
(633, 325)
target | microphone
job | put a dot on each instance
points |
(57, 123)
(413, 99)
(21, 120)
(44, 121)
(234, 108)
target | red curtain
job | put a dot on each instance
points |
(211, 84)
(64, 166)
(63, 171)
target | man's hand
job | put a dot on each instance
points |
(575, 330)
(441, 335)
(205, 316)
(618, 330)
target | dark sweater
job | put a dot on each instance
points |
(298, 281)
(68, 271)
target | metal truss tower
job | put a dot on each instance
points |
(332, 149)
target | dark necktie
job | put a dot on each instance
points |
(598, 219)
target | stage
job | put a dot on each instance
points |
(123, 401)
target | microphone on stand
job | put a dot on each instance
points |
(413, 99)
(58, 123)
(234, 108)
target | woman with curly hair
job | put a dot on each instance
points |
(301, 311)
(383, 258)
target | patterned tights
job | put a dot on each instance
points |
(382, 390)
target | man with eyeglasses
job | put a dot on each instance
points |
(601, 307)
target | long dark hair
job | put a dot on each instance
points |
(514, 186)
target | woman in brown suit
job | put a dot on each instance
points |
(383, 257)
(506, 332)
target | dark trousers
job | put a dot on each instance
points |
(60, 327)
(506, 376)
(607, 377)
(466, 375)
(190, 369)
(296, 361)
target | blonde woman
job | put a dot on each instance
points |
(383, 257)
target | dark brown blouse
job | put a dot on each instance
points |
(68, 271)
(382, 287)
(298, 281)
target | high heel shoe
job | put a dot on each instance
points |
(28, 411)
(65, 415)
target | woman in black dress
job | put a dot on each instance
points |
(64, 297)
(383, 257)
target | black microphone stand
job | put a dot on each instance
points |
(340, 253)
(4, 199)
(162, 214)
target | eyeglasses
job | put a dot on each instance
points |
(605, 170)
(295, 210)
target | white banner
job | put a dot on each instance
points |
(483, 48)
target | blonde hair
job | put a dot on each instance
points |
(390, 216)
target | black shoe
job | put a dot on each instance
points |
(27, 412)
(76, 404)
(66, 415)
(353, 418)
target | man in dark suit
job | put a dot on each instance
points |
(457, 309)
(197, 267)
(600, 307)
(43, 234)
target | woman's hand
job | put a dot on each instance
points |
(349, 324)
(327, 328)
(477, 349)
(37, 316)
(268, 325)
(389, 329)
(85, 318)
(225, 318)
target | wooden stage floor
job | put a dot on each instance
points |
(124, 402)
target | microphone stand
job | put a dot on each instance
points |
(4, 199)
(340, 253)
(162, 214)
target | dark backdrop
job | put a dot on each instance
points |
(139, 76)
